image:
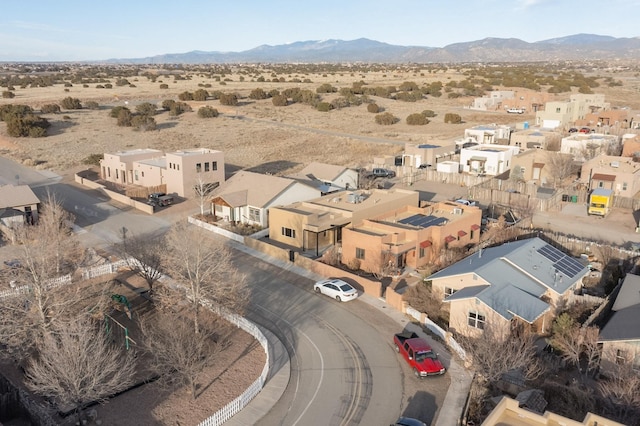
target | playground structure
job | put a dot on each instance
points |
(116, 327)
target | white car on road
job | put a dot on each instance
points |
(336, 289)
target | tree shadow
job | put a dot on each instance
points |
(421, 406)
(59, 126)
(273, 167)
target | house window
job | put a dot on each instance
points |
(448, 291)
(177, 166)
(198, 167)
(621, 357)
(476, 320)
(558, 110)
(359, 253)
(206, 166)
(108, 171)
(421, 251)
(600, 184)
(218, 208)
(117, 175)
(136, 174)
(142, 174)
(214, 165)
(624, 186)
(288, 232)
(254, 214)
(471, 234)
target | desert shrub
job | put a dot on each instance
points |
(326, 88)
(50, 109)
(124, 117)
(92, 105)
(108, 86)
(324, 107)
(132, 85)
(408, 86)
(70, 103)
(164, 86)
(178, 108)
(93, 159)
(417, 119)
(340, 102)
(167, 104)
(452, 118)
(6, 111)
(185, 96)
(373, 108)
(67, 84)
(207, 112)
(146, 108)
(279, 100)
(274, 92)
(200, 95)
(7, 94)
(122, 82)
(428, 113)
(424, 298)
(409, 96)
(386, 119)
(229, 99)
(99, 86)
(258, 93)
(115, 111)
(28, 125)
(85, 85)
(143, 123)
(454, 95)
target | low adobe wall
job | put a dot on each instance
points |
(271, 250)
(121, 198)
(394, 299)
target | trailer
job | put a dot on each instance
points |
(600, 202)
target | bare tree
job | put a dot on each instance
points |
(144, 255)
(180, 354)
(591, 150)
(621, 390)
(560, 167)
(76, 365)
(575, 342)
(495, 352)
(203, 265)
(203, 190)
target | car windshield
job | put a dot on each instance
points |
(346, 287)
(421, 356)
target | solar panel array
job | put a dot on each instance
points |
(563, 263)
(422, 221)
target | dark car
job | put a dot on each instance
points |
(406, 421)
(378, 172)
(573, 130)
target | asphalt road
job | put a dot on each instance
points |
(344, 368)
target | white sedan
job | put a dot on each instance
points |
(336, 289)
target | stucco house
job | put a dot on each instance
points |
(486, 134)
(620, 174)
(327, 177)
(18, 204)
(620, 336)
(409, 235)
(318, 223)
(521, 281)
(246, 197)
(426, 154)
(563, 113)
(487, 159)
(181, 171)
(631, 145)
(536, 138)
(583, 146)
(534, 166)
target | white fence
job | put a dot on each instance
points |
(54, 282)
(107, 268)
(438, 331)
(216, 229)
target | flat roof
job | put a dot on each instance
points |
(423, 221)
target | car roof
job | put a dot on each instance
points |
(406, 421)
(418, 344)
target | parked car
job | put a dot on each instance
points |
(586, 130)
(573, 130)
(378, 172)
(406, 421)
(515, 110)
(156, 195)
(336, 289)
(466, 202)
(418, 354)
(424, 166)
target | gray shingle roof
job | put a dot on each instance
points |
(623, 325)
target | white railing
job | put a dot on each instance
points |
(437, 330)
(107, 268)
(51, 283)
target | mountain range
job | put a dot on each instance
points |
(574, 47)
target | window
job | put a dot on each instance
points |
(471, 234)
(254, 214)
(198, 167)
(288, 232)
(359, 253)
(108, 171)
(117, 173)
(177, 166)
(476, 320)
(142, 174)
(621, 357)
(624, 186)
(448, 291)
(218, 208)
(421, 251)
(136, 174)
(600, 184)
(558, 110)
(214, 165)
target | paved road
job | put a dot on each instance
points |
(344, 370)
(17, 174)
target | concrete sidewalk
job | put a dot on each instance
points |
(449, 413)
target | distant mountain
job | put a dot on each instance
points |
(574, 47)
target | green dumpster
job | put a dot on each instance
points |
(574, 198)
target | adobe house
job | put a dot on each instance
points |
(118, 167)
(327, 178)
(620, 174)
(410, 236)
(18, 206)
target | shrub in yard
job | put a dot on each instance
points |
(207, 112)
(108, 86)
(70, 103)
(417, 119)
(373, 108)
(93, 159)
(386, 119)
(452, 118)
(50, 109)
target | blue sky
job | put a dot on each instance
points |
(71, 30)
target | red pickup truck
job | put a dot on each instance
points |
(418, 354)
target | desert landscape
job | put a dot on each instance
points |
(255, 134)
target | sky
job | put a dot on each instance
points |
(72, 30)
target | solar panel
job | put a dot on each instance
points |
(422, 221)
(551, 253)
(563, 263)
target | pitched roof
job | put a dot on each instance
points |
(321, 171)
(623, 325)
(629, 294)
(518, 273)
(17, 196)
(251, 189)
